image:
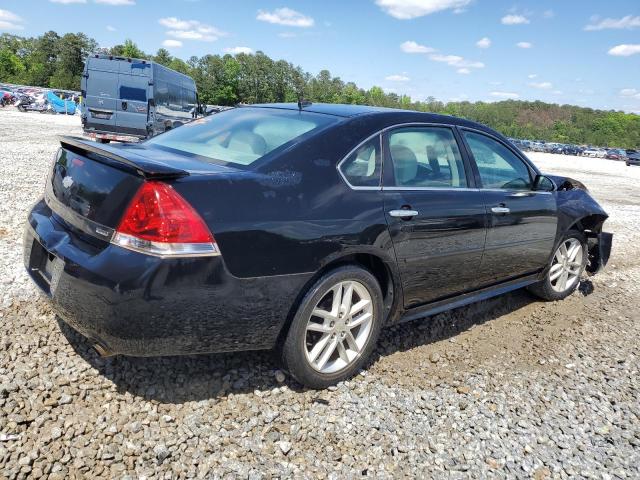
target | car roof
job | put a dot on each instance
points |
(391, 114)
(337, 109)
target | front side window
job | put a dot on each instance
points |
(363, 167)
(426, 157)
(498, 166)
(241, 136)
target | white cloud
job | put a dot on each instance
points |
(463, 71)
(171, 43)
(484, 42)
(514, 20)
(504, 94)
(557, 92)
(116, 3)
(287, 35)
(191, 29)
(463, 65)
(67, 2)
(111, 28)
(397, 78)
(237, 50)
(408, 9)
(624, 23)
(10, 21)
(285, 16)
(624, 50)
(455, 61)
(524, 45)
(630, 92)
(192, 35)
(549, 14)
(541, 85)
(414, 47)
(532, 75)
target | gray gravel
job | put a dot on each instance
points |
(511, 387)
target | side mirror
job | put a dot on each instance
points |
(543, 184)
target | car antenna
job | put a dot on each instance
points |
(302, 103)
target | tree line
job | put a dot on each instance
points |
(56, 61)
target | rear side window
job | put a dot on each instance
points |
(498, 166)
(363, 167)
(241, 136)
(426, 157)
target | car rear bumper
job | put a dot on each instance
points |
(134, 304)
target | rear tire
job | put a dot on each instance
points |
(565, 268)
(335, 328)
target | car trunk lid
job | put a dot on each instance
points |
(90, 185)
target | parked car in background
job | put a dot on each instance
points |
(211, 109)
(615, 154)
(590, 152)
(526, 145)
(276, 226)
(538, 146)
(571, 150)
(132, 99)
(632, 157)
(7, 97)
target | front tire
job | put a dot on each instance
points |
(566, 267)
(335, 328)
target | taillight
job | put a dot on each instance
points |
(158, 221)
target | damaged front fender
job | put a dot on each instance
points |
(580, 211)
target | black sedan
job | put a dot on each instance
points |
(305, 228)
(632, 157)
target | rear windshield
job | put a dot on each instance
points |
(241, 136)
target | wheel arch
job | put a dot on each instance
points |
(588, 224)
(383, 270)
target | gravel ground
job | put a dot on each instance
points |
(510, 387)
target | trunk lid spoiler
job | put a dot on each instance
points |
(120, 157)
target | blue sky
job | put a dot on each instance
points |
(583, 52)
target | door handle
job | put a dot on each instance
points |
(403, 213)
(500, 210)
(124, 105)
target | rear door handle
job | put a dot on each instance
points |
(403, 213)
(500, 210)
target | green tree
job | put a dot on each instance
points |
(129, 50)
(163, 57)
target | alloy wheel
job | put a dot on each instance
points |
(339, 327)
(566, 266)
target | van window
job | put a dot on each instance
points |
(132, 93)
(241, 136)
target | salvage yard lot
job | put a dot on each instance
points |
(510, 387)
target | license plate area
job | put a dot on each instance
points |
(45, 267)
(100, 114)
